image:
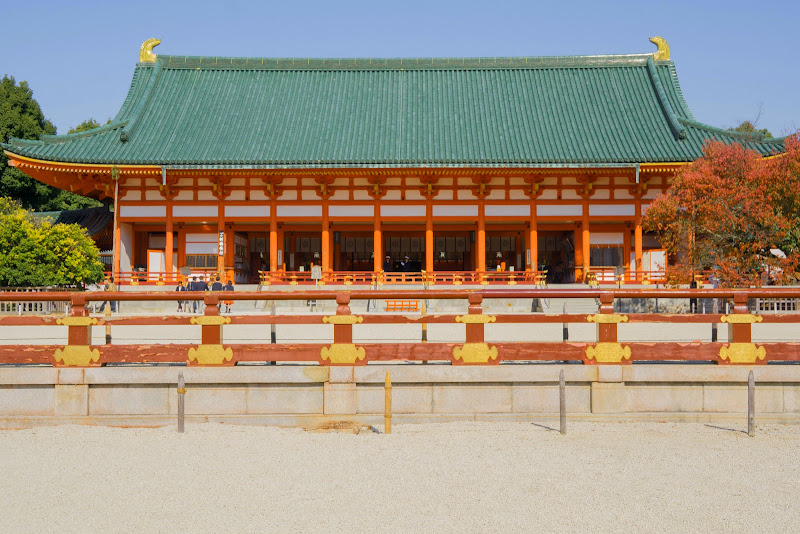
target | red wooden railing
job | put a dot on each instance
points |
(342, 351)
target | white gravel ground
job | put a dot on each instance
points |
(474, 477)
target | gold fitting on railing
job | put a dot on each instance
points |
(741, 318)
(76, 355)
(475, 353)
(608, 353)
(210, 320)
(210, 354)
(607, 318)
(181, 391)
(742, 353)
(342, 319)
(476, 319)
(343, 353)
(77, 321)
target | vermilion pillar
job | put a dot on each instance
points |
(429, 238)
(117, 241)
(326, 239)
(168, 248)
(221, 228)
(481, 238)
(533, 241)
(585, 239)
(273, 238)
(377, 241)
(637, 242)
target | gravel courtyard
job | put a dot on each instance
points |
(456, 477)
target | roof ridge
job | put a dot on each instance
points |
(754, 137)
(672, 118)
(444, 63)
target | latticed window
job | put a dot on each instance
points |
(605, 256)
(201, 261)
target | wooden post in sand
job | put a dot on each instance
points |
(387, 416)
(562, 402)
(751, 405)
(181, 407)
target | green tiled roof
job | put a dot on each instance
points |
(456, 112)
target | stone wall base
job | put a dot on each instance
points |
(309, 395)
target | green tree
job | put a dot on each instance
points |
(21, 117)
(748, 127)
(86, 125)
(43, 254)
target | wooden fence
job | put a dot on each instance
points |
(78, 351)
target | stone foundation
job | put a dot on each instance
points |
(306, 395)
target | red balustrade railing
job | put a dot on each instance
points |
(342, 350)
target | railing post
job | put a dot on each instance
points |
(343, 333)
(475, 331)
(78, 334)
(211, 334)
(607, 349)
(740, 332)
(606, 332)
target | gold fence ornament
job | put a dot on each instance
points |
(742, 353)
(77, 321)
(77, 355)
(342, 319)
(477, 318)
(607, 318)
(210, 354)
(741, 318)
(343, 353)
(210, 320)
(475, 353)
(608, 352)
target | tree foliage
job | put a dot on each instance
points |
(728, 212)
(21, 117)
(86, 125)
(38, 253)
(748, 127)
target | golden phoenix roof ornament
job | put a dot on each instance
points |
(146, 54)
(663, 48)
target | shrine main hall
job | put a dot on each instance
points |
(263, 167)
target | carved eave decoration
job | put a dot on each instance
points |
(377, 191)
(324, 189)
(637, 190)
(533, 185)
(481, 189)
(219, 185)
(272, 186)
(169, 189)
(586, 185)
(429, 187)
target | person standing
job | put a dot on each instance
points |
(217, 286)
(201, 286)
(387, 264)
(405, 265)
(180, 287)
(110, 286)
(228, 303)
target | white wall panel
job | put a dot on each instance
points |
(596, 210)
(299, 211)
(195, 211)
(247, 211)
(464, 210)
(351, 211)
(560, 210)
(143, 211)
(507, 211)
(403, 211)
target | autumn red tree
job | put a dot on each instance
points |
(732, 212)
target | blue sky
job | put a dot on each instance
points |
(734, 59)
